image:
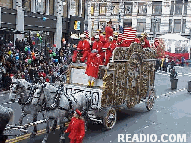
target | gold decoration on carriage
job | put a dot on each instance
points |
(132, 76)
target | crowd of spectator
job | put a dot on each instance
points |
(28, 62)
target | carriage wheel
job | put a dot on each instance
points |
(109, 118)
(150, 99)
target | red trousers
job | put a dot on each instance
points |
(75, 141)
(106, 56)
(85, 56)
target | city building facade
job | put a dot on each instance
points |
(155, 17)
(49, 18)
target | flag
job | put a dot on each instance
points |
(86, 33)
(120, 36)
(131, 34)
(125, 33)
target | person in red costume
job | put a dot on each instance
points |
(76, 128)
(146, 42)
(101, 37)
(84, 47)
(119, 42)
(97, 44)
(109, 46)
(137, 40)
(115, 40)
(126, 43)
(108, 30)
(156, 43)
(92, 68)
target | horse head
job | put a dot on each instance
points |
(14, 90)
(18, 88)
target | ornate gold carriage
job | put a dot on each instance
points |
(127, 80)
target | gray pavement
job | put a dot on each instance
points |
(170, 114)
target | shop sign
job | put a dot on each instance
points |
(0, 17)
(77, 25)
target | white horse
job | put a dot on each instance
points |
(24, 90)
(59, 105)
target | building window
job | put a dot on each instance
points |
(51, 7)
(92, 9)
(102, 25)
(170, 25)
(6, 3)
(141, 25)
(178, 8)
(39, 6)
(102, 8)
(65, 9)
(115, 9)
(155, 25)
(142, 9)
(185, 7)
(127, 8)
(183, 25)
(172, 8)
(177, 25)
(157, 7)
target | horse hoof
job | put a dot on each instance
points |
(61, 141)
(44, 141)
(33, 135)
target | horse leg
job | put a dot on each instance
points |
(23, 114)
(43, 115)
(62, 137)
(47, 131)
(54, 126)
(35, 126)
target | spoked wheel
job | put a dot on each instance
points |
(150, 99)
(109, 118)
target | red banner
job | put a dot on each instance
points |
(177, 55)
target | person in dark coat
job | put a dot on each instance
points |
(6, 115)
(31, 73)
(173, 74)
(17, 44)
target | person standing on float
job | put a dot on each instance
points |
(109, 46)
(97, 44)
(83, 47)
(108, 30)
(92, 69)
(146, 42)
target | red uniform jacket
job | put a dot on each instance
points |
(108, 32)
(76, 129)
(97, 45)
(137, 40)
(102, 39)
(126, 43)
(93, 63)
(156, 43)
(146, 43)
(110, 47)
(115, 42)
(83, 45)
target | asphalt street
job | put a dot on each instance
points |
(170, 115)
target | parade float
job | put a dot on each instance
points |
(127, 80)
